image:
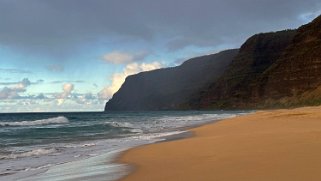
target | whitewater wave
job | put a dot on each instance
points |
(157, 136)
(35, 152)
(126, 125)
(55, 120)
(120, 124)
(168, 122)
(201, 117)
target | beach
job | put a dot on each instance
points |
(266, 145)
(83, 145)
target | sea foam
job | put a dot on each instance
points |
(35, 152)
(120, 124)
(131, 127)
(55, 120)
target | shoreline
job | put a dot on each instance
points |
(43, 160)
(131, 168)
(186, 132)
(271, 145)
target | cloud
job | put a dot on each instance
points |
(67, 89)
(50, 104)
(13, 91)
(117, 57)
(40, 96)
(14, 71)
(183, 22)
(25, 81)
(87, 98)
(118, 79)
(7, 93)
(21, 86)
(69, 81)
(16, 90)
(55, 68)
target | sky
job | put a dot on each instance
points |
(72, 55)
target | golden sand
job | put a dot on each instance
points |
(276, 145)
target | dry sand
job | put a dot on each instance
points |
(276, 145)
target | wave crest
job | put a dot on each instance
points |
(55, 120)
(120, 124)
(35, 152)
(125, 125)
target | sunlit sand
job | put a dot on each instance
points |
(267, 145)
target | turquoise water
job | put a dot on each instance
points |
(33, 145)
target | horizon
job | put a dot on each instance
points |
(73, 56)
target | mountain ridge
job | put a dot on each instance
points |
(270, 70)
(287, 80)
(170, 88)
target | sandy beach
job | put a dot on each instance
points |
(267, 145)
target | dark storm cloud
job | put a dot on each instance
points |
(60, 25)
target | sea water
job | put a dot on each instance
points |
(82, 146)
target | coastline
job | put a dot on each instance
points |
(186, 132)
(266, 145)
(45, 162)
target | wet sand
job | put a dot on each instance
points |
(275, 145)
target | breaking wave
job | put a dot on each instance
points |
(55, 120)
(120, 124)
(126, 125)
(35, 152)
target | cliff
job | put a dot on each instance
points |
(295, 79)
(280, 69)
(270, 70)
(237, 88)
(170, 88)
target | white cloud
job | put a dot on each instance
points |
(21, 86)
(86, 99)
(44, 105)
(118, 79)
(67, 89)
(118, 57)
(14, 93)
(8, 93)
(14, 90)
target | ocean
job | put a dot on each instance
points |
(83, 145)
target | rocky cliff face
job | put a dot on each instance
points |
(237, 87)
(295, 78)
(271, 70)
(170, 88)
(280, 69)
